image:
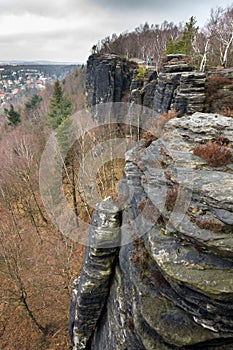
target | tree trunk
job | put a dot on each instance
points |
(75, 204)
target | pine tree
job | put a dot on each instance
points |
(60, 106)
(32, 107)
(12, 116)
(33, 102)
(64, 135)
(184, 45)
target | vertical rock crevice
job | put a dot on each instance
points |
(90, 290)
(108, 79)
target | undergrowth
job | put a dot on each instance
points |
(215, 153)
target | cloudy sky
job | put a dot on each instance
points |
(65, 30)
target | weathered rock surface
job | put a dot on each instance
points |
(180, 88)
(172, 285)
(113, 79)
(91, 289)
(108, 79)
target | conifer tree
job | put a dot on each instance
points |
(64, 135)
(33, 102)
(184, 45)
(60, 106)
(12, 116)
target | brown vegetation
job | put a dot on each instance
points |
(139, 255)
(171, 197)
(210, 225)
(215, 153)
(219, 90)
(37, 262)
(228, 112)
(148, 210)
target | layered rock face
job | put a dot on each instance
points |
(158, 274)
(180, 88)
(142, 90)
(108, 79)
(90, 290)
(113, 79)
(171, 284)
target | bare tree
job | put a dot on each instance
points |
(220, 28)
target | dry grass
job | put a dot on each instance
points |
(171, 197)
(209, 225)
(215, 153)
(228, 112)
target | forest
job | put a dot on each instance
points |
(37, 263)
(210, 46)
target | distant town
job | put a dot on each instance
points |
(18, 80)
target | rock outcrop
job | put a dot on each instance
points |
(171, 287)
(158, 274)
(108, 79)
(90, 290)
(143, 88)
(180, 88)
(113, 79)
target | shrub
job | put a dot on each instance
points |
(214, 153)
(139, 254)
(228, 112)
(209, 225)
(218, 94)
(157, 130)
(148, 137)
(141, 73)
(148, 210)
(171, 197)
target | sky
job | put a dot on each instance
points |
(66, 30)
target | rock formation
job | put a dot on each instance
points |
(113, 79)
(90, 290)
(169, 285)
(180, 88)
(172, 286)
(108, 79)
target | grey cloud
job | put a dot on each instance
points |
(46, 8)
(92, 20)
(59, 45)
(133, 5)
(57, 35)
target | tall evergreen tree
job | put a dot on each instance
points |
(184, 45)
(12, 116)
(60, 106)
(33, 102)
(32, 107)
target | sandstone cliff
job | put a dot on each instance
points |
(171, 287)
(178, 86)
(108, 79)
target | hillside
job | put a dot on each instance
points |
(37, 263)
